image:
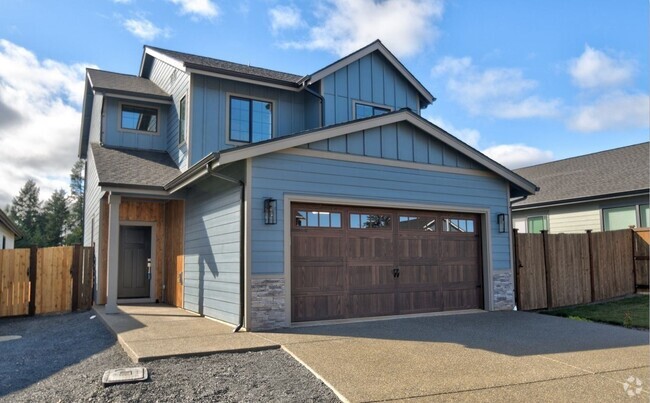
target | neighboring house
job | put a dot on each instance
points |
(603, 191)
(9, 231)
(265, 198)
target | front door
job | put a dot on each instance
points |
(135, 250)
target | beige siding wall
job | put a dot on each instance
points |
(574, 220)
(9, 237)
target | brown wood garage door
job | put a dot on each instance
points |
(349, 262)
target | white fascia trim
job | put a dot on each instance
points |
(567, 203)
(135, 192)
(319, 75)
(242, 79)
(162, 57)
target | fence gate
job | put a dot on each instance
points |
(45, 280)
(14, 282)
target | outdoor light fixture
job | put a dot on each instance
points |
(270, 211)
(501, 220)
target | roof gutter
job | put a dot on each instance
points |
(242, 230)
(194, 173)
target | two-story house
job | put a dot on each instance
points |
(261, 198)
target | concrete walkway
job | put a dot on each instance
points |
(153, 331)
(488, 356)
(496, 356)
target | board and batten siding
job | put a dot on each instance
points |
(277, 174)
(115, 136)
(371, 79)
(210, 109)
(212, 249)
(177, 84)
(95, 132)
(399, 141)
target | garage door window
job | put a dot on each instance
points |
(369, 221)
(417, 223)
(457, 225)
(321, 219)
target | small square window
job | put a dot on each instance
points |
(139, 118)
(251, 120)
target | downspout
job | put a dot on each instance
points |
(321, 99)
(242, 230)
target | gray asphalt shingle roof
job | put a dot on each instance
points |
(608, 172)
(203, 62)
(133, 167)
(124, 83)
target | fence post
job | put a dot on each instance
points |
(516, 266)
(591, 266)
(33, 264)
(74, 272)
(549, 293)
(633, 258)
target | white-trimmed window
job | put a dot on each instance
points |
(182, 120)
(536, 224)
(251, 120)
(139, 118)
(625, 217)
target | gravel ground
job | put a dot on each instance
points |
(62, 359)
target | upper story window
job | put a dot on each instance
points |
(139, 118)
(251, 120)
(365, 110)
(182, 111)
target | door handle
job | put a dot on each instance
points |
(396, 272)
(148, 268)
(180, 278)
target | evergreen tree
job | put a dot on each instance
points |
(25, 211)
(75, 218)
(55, 219)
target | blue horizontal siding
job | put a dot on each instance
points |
(274, 175)
(212, 249)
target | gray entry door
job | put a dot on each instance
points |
(135, 249)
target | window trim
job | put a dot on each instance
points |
(229, 96)
(182, 124)
(372, 104)
(547, 227)
(637, 213)
(119, 119)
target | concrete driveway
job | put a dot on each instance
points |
(474, 357)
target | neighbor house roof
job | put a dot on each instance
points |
(133, 168)
(519, 185)
(190, 61)
(11, 226)
(603, 174)
(124, 84)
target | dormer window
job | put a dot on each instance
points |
(362, 110)
(251, 120)
(139, 118)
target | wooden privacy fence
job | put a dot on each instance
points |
(554, 270)
(46, 280)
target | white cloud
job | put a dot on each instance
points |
(467, 135)
(123, 1)
(615, 111)
(285, 17)
(498, 92)
(595, 69)
(198, 8)
(518, 155)
(404, 26)
(144, 29)
(39, 141)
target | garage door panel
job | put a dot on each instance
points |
(317, 307)
(316, 246)
(420, 301)
(349, 271)
(372, 304)
(317, 278)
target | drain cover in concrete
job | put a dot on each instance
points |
(9, 338)
(125, 375)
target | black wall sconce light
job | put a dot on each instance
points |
(270, 211)
(502, 220)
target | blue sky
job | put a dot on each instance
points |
(523, 81)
